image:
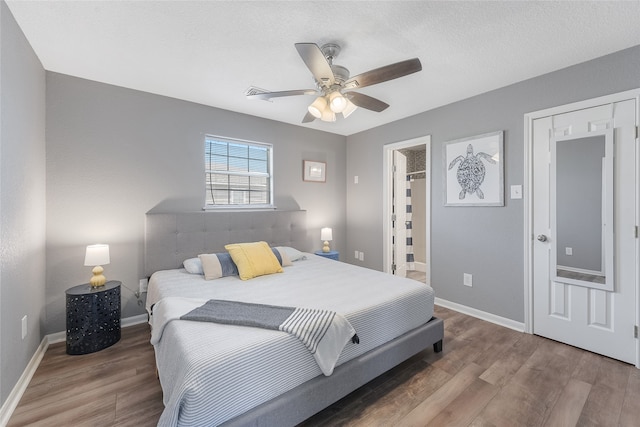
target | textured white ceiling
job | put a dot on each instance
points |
(210, 52)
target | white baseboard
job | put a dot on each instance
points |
(127, 321)
(18, 390)
(56, 337)
(134, 320)
(498, 320)
(420, 266)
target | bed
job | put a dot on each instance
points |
(214, 374)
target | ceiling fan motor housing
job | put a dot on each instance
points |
(340, 73)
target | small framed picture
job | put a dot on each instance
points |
(314, 171)
(473, 171)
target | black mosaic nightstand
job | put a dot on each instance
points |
(93, 317)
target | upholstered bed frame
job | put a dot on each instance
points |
(173, 237)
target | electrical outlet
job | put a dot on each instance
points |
(24, 327)
(568, 251)
(355, 179)
(467, 279)
(516, 191)
(357, 254)
(144, 284)
(361, 257)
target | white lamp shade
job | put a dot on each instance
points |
(317, 107)
(337, 102)
(349, 108)
(97, 255)
(326, 234)
(328, 115)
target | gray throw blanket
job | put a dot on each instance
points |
(323, 332)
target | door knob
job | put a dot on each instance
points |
(542, 238)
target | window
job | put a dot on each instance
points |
(237, 173)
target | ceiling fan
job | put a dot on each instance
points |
(335, 90)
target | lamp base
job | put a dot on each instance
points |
(98, 278)
(326, 247)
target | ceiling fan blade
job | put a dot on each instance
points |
(383, 74)
(366, 101)
(308, 118)
(316, 63)
(269, 95)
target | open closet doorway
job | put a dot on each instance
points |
(407, 207)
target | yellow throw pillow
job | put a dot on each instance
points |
(253, 259)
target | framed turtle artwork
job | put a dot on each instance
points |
(474, 171)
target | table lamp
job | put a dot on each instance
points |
(97, 255)
(325, 234)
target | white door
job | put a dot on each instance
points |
(586, 316)
(400, 213)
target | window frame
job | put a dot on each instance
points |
(269, 175)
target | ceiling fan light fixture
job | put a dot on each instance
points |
(331, 80)
(349, 108)
(337, 102)
(328, 115)
(317, 107)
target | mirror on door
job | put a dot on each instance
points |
(582, 209)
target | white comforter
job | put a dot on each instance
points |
(327, 346)
(211, 373)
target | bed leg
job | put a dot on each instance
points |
(437, 347)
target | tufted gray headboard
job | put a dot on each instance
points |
(170, 238)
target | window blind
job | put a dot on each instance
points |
(237, 173)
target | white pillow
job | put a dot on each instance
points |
(193, 266)
(282, 256)
(218, 265)
(292, 253)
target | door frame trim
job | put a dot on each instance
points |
(528, 201)
(387, 177)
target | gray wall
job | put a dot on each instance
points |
(22, 201)
(484, 241)
(114, 154)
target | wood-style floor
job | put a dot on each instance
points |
(487, 375)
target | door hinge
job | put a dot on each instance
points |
(393, 268)
(393, 217)
(635, 331)
(636, 231)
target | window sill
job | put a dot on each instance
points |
(239, 208)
